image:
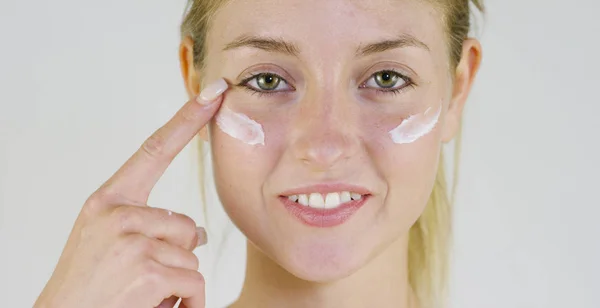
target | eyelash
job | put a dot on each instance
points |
(253, 91)
(409, 83)
(260, 93)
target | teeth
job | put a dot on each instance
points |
(316, 200)
(303, 199)
(332, 200)
(345, 197)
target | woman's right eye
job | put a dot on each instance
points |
(267, 82)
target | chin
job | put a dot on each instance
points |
(322, 262)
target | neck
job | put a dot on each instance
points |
(383, 282)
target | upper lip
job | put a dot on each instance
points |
(326, 188)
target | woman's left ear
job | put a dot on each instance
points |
(190, 74)
(464, 77)
(188, 71)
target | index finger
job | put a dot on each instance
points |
(136, 178)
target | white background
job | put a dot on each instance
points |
(82, 83)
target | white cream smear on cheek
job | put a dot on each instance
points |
(415, 126)
(240, 127)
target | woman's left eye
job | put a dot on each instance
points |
(267, 82)
(386, 81)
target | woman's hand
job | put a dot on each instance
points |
(123, 253)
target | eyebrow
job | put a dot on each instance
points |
(264, 43)
(404, 40)
(281, 46)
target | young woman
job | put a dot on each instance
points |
(326, 121)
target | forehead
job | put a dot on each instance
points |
(319, 26)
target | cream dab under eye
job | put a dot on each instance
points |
(416, 126)
(240, 127)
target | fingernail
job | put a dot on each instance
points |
(210, 92)
(202, 239)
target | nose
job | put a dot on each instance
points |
(324, 132)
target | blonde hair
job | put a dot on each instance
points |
(429, 239)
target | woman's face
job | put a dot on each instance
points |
(327, 82)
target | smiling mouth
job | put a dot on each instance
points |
(330, 200)
(325, 205)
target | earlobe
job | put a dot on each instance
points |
(190, 74)
(464, 77)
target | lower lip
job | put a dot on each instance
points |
(323, 218)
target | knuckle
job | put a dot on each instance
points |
(100, 200)
(195, 261)
(142, 245)
(189, 230)
(188, 221)
(127, 219)
(95, 202)
(93, 214)
(189, 261)
(135, 248)
(154, 146)
(92, 203)
(151, 274)
(198, 279)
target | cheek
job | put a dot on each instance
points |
(409, 168)
(245, 145)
